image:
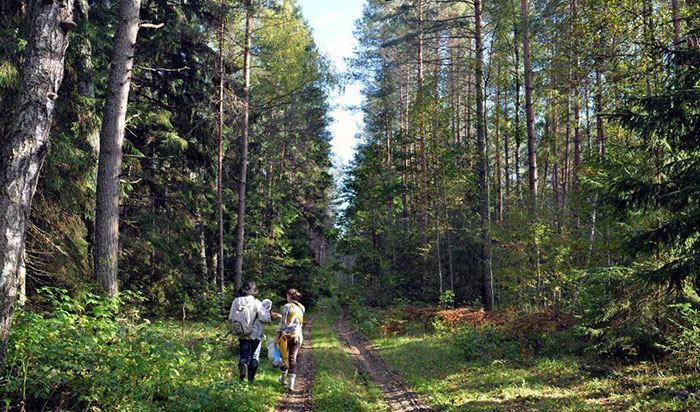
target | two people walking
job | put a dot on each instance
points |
(248, 317)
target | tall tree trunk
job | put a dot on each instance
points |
(111, 139)
(24, 147)
(518, 136)
(468, 117)
(600, 130)
(566, 169)
(675, 14)
(449, 241)
(486, 278)
(499, 188)
(404, 137)
(86, 85)
(242, 175)
(529, 111)
(531, 150)
(423, 149)
(219, 167)
(203, 270)
(577, 117)
(506, 156)
(437, 244)
(555, 151)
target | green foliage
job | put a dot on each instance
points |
(488, 368)
(622, 315)
(683, 343)
(667, 124)
(487, 342)
(366, 319)
(447, 300)
(83, 354)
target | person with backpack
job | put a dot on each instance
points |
(289, 336)
(248, 317)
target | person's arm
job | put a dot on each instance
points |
(283, 322)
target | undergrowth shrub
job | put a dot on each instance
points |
(84, 355)
(487, 342)
(684, 343)
(622, 316)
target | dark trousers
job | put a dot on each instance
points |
(250, 352)
(293, 347)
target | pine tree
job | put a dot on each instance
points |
(670, 119)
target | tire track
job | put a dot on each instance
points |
(396, 391)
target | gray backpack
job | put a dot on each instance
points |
(242, 321)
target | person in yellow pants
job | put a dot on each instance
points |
(289, 337)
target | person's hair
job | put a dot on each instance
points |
(248, 289)
(295, 294)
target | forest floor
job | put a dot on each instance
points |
(454, 371)
(68, 362)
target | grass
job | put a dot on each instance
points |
(213, 370)
(497, 377)
(79, 362)
(338, 386)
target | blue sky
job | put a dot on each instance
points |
(333, 22)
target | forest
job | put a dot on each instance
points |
(518, 230)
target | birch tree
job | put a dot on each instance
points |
(25, 147)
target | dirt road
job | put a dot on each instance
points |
(396, 391)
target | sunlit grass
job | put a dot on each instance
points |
(436, 366)
(81, 363)
(338, 385)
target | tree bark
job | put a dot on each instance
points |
(203, 270)
(577, 119)
(506, 159)
(486, 278)
(675, 14)
(529, 111)
(111, 141)
(499, 188)
(25, 146)
(219, 167)
(518, 136)
(600, 130)
(86, 86)
(240, 232)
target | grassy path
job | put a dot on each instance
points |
(339, 385)
(396, 391)
(494, 379)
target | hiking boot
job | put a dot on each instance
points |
(251, 373)
(292, 378)
(283, 378)
(242, 370)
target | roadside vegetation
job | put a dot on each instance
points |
(466, 360)
(82, 356)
